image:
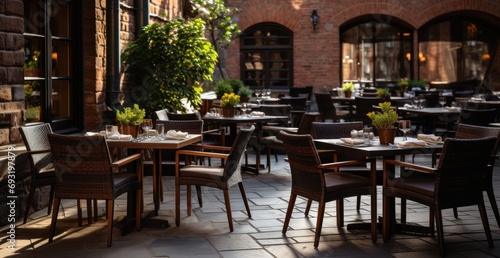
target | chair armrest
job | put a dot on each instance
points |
(202, 154)
(219, 130)
(345, 163)
(37, 152)
(212, 147)
(410, 166)
(277, 129)
(127, 160)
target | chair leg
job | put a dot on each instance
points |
(244, 196)
(177, 204)
(28, 204)
(198, 193)
(455, 212)
(340, 213)
(79, 211)
(89, 211)
(319, 223)
(228, 209)
(494, 206)
(358, 202)
(486, 225)
(138, 209)
(188, 196)
(403, 211)
(291, 205)
(55, 212)
(386, 219)
(96, 209)
(268, 160)
(110, 204)
(308, 207)
(440, 233)
(51, 198)
(431, 222)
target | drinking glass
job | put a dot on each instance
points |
(367, 135)
(244, 108)
(109, 131)
(442, 101)
(405, 127)
(146, 125)
(258, 94)
(160, 131)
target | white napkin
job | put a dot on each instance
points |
(176, 134)
(409, 106)
(121, 137)
(103, 133)
(429, 138)
(257, 113)
(352, 141)
(452, 108)
(411, 143)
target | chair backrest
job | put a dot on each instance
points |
(301, 92)
(35, 138)
(329, 130)
(187, 116)
(303, 160)
(188, 126)
(364, 105)
(325, 106)
(276, 110)
(461, 170)
(296, 103)
(465, 131)
(232, 168)
(83, 167)
(305, 125)
(481, 117)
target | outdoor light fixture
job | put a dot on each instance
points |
(314, 19)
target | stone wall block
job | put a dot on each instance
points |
(18, 92)
(5, 93)
(14, 7)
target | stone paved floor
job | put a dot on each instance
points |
(206, 233)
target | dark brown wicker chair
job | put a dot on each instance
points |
(329, 130)
(272, 141)
(224, 177)
(457, 182)
(327, 108)
(309, 180)
(84, 170)
(364, 105)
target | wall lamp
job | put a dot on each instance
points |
(314, 18)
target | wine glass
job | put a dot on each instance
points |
(147, 124)
(442, 101)
(244, 108)
(258, 94)
(405, 127)
(420, 100)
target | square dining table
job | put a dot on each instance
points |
(377, 150)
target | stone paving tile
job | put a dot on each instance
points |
(206, 232)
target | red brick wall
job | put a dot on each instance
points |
(317, 52)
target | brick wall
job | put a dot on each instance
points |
(317, 52)
(11, 70)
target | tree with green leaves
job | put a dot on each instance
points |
(220, 26)
(168, 62)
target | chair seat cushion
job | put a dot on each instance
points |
(270, 140)
(212, 173)
(419, 183)
(340, 181)
(121, 179)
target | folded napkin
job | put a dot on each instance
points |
(103, 133)
(176, 134)
(452, 108)
(409, 106)
(352, 141)
(429, 138)
(257, 113)
(212, 115)
(411, 143)
(122, 137)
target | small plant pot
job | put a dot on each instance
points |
(129, 129)
(386, 136)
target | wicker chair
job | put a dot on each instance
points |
(327, 108)
(329, 130)
(84, 170)
(224, 177)
(364, 105)
(309, 180)
(272, 142)
(36, 140)
(457, 181)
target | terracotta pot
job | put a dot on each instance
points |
(32, 72)
(348, 94)
(228, 111)
(386, 136)
(129, 129)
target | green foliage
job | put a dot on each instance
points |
(417, 83)
(168, 62)
(383, 92)
(222, 87)
(130, 115)
(245, 92)
(230, 100)
(236, 84)
(384, 119)
(33, 62)
(348, 86)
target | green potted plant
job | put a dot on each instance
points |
(384, 94)
(222, 87)
(348, 87)
(130, 118)
(245, 93)
(403, 87)
(384, 121)
(31, 68)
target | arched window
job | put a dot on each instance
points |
(374, 52)
(266, 57)
(455, 48)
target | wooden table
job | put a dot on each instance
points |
(386, 152)
(155, 144)
(431, 114)
(232, 123)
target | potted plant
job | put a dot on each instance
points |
(384, 94)
(222, 87)
(403, 87)
(245, 93)
(384, 121)
(31, 68)
(229, 101)
(348, 87)
(130, 119)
